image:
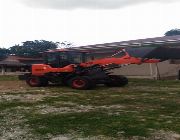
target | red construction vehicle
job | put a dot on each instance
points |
(75, 69)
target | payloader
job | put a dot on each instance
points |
(77, 70)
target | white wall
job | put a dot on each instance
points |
(145, 70)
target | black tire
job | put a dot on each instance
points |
(44, 81)
(80, 82)
(116, 81)
(92, 82)
(33, 81)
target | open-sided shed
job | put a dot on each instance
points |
(164, 48)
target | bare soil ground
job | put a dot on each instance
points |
(145, 109)
(12, 85)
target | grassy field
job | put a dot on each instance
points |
(145, 109)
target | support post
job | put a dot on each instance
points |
(151, 71)
(2, 70)
(158, 77)
(179, 75)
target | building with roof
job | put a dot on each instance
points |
(15, 64)
(165, 48)
(148, 42)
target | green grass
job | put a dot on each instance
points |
(139, 109)
(8, 78)
(13, 104)
(89, 124)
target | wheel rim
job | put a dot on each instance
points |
(34, 81)
(79, 83)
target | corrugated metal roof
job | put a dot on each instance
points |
(19, 61)
(11, 63)
(157, 41)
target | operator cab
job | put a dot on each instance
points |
(62, 58)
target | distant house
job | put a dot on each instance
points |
(13, 64)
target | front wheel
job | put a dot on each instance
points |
(116, 81)
(80, 82)
(35, 81)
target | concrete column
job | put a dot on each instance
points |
(158, 77)
(151, 70)
(3, 70)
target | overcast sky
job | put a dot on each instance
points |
(84, 22)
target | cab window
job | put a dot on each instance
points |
(76, 57)
(52, 59)
(63, 59)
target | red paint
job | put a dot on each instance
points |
(78, 83)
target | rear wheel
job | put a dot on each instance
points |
(116, 81)
(81, 82)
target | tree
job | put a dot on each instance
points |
(172, 32)
(65, 44)
(3, 52)
(33, 48)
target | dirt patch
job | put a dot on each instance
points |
(45, 109)
(9, 86)
(12, 127)
(23, 97)
(73, 137)
(159, 135)
(61, 137)
(164, 135)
